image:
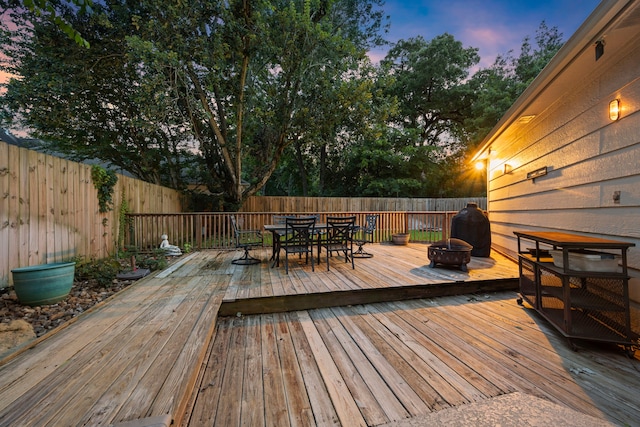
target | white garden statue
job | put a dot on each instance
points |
(170, 250)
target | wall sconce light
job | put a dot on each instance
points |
(614, 110)
(599, 49)
(537, 173)
(506, 169)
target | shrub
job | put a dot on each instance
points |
(103, 271)
(158, 261)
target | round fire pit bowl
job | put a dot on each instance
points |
(450, 252)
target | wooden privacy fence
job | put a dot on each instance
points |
(213, 230)
(357, 204)
(49, 209)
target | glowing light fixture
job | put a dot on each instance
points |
(480, 165)
(614, 109)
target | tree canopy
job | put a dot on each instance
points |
(47, 8)
(270, 96)
(225, 79)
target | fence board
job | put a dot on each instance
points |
(49, 209)
(22, 219)
(5, 220)
(356, 204)
(14, 207)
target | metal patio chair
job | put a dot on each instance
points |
(245, 239)
(364, 234)
(298, 239)
(338, 238)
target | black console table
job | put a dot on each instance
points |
(582, 300)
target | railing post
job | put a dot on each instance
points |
(198, 231)
(406, 222)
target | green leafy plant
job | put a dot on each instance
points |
(104, 181)
(187, 248)
(155, 262)
(104, 270)
(123, 220)
(127, 251)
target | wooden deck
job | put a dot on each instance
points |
(160, 349)
(394, 273)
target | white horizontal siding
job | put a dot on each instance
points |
(588, 158)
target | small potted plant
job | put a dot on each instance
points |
(400, 238)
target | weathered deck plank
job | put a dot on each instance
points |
(134, 356)
(275, 400)
(402, 359)
(391, 266)
(209, 389)
(321, 406)
(143, 353)
(384, 404)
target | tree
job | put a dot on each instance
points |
(230, 77)
(242, 72)
(430, 85)
(498, 86)
(90, 103)
(410, 113)
(339, 113)
(47, 8)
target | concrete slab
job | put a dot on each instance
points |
(514, 409)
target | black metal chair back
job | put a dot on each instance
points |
(277, 236)
(339, 237)
(364, 235)
(298, 239)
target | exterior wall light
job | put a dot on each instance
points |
(599, 49)
(506, 169)
(614, 110)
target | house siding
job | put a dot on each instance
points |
(588, 157)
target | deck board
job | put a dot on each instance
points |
(408, 358)
(391, 266)
(275, 400)
(128, 358)
(160, 348)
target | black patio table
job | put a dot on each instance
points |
(278, 229)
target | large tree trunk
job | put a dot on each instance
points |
(301, 169)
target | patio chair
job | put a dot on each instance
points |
(245, 239)
(338, 238)
(364, 234)
(298, 239)
(277, 236)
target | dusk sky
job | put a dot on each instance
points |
(493, 26)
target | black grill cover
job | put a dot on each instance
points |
(472, 226)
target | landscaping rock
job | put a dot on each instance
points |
(20, 323)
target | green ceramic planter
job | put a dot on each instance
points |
(43, 284)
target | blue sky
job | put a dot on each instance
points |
(493, 26)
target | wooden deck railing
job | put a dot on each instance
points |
(213, 230)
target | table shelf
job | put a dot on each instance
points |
(592, 305)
